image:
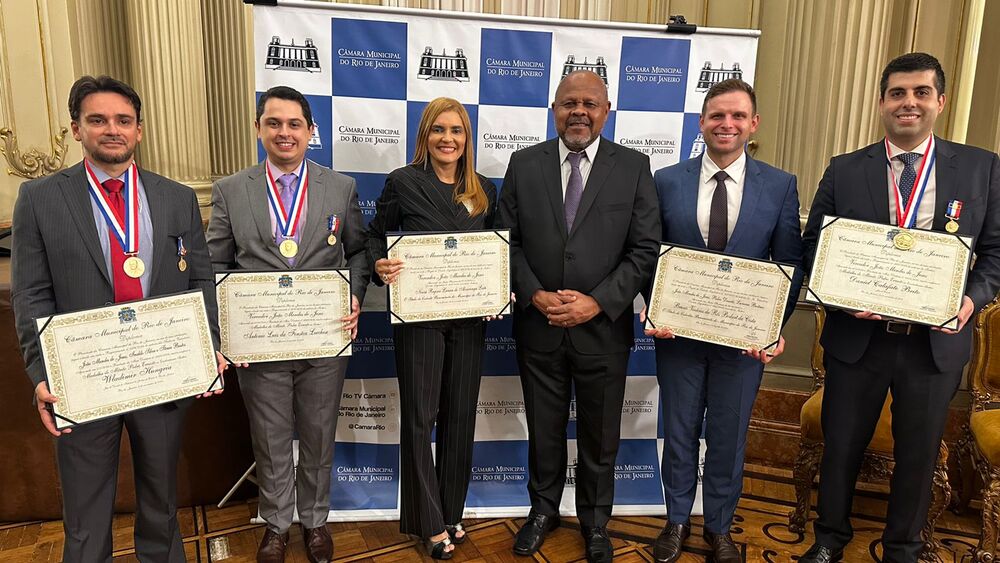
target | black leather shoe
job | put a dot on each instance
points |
(531, 535)
(598, 544)
(668, 545)
(272, 547)
(724, 549)
(820, 554)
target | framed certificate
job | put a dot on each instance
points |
(450, 275)
(283, 315)
(907, 274)
(120, 358)
(717, 298)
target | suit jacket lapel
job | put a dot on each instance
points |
(158, 217)
(552, 179)
(945, 172)
(690, 184)
(316, 200)
(878, 188)
(599, 172)
(77, 194)
(256, 185)
(752, 189)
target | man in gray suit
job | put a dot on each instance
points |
(288, 213)
(65, 256)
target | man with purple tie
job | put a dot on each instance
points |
(583, 222)
(318, 224)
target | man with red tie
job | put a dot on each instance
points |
(99, 232)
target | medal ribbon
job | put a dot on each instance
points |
(126, 229)
(288, 219)
(907, 217)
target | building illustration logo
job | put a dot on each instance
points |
(598, 67)
(315, 142)
(698, 146)
(711, 76)
(300, 58)
(444, 66)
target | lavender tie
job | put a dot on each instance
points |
(574, 189)
(287, 196)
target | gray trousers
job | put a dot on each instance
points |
(284, 401)
(88, 472)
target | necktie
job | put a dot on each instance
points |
(574, 189)
(718, 216)
(909, 176)
(126, 288)
(287, 196)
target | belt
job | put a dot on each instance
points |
(898, 327)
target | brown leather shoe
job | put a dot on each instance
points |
(319, 544)
(724, 549)
(272, 547)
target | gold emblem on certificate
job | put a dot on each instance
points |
(134, 267)
(289, 248)
(903, 240)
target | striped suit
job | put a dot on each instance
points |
(58, 264)
(438, 364)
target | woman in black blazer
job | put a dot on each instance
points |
(438, 363)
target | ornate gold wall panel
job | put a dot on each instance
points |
(35, 74)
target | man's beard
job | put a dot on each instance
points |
(113, 158)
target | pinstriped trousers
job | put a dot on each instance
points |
(438, 366)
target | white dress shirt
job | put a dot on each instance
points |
(925, 213)
(585, 163)
(734, 191)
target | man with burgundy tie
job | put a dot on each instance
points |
(722, 201)
(584, 228)
(250, 230)
(66, 255)
(912, 178)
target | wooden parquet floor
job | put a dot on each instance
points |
(212, 534)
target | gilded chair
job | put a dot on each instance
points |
(979, 447)
(877, 465)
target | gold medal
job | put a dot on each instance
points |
(182, 264)
(289, 248)
(332, 239)
(133, 267)
(951, 226)
(903, 241)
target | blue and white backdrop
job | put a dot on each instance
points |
(368, 73)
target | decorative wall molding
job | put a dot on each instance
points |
(33, 163)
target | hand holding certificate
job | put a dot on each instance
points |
(283, 315)
(727, 300)
(908, 274)
(120, 358)
(449, 275)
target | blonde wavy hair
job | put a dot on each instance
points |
(467, 185)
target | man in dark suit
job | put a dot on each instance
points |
(722, 201)
(301, 398)
(866, 356)
(65, 257)
(584, 227)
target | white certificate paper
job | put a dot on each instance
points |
(864, 266)
(717, 298)
(450, 275)
(124, 357)
(283, 315)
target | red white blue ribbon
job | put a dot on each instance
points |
(288, 219)
(125, 229)
(907, 217)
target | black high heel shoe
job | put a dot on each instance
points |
(453, 531)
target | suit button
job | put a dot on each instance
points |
(569, 256)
